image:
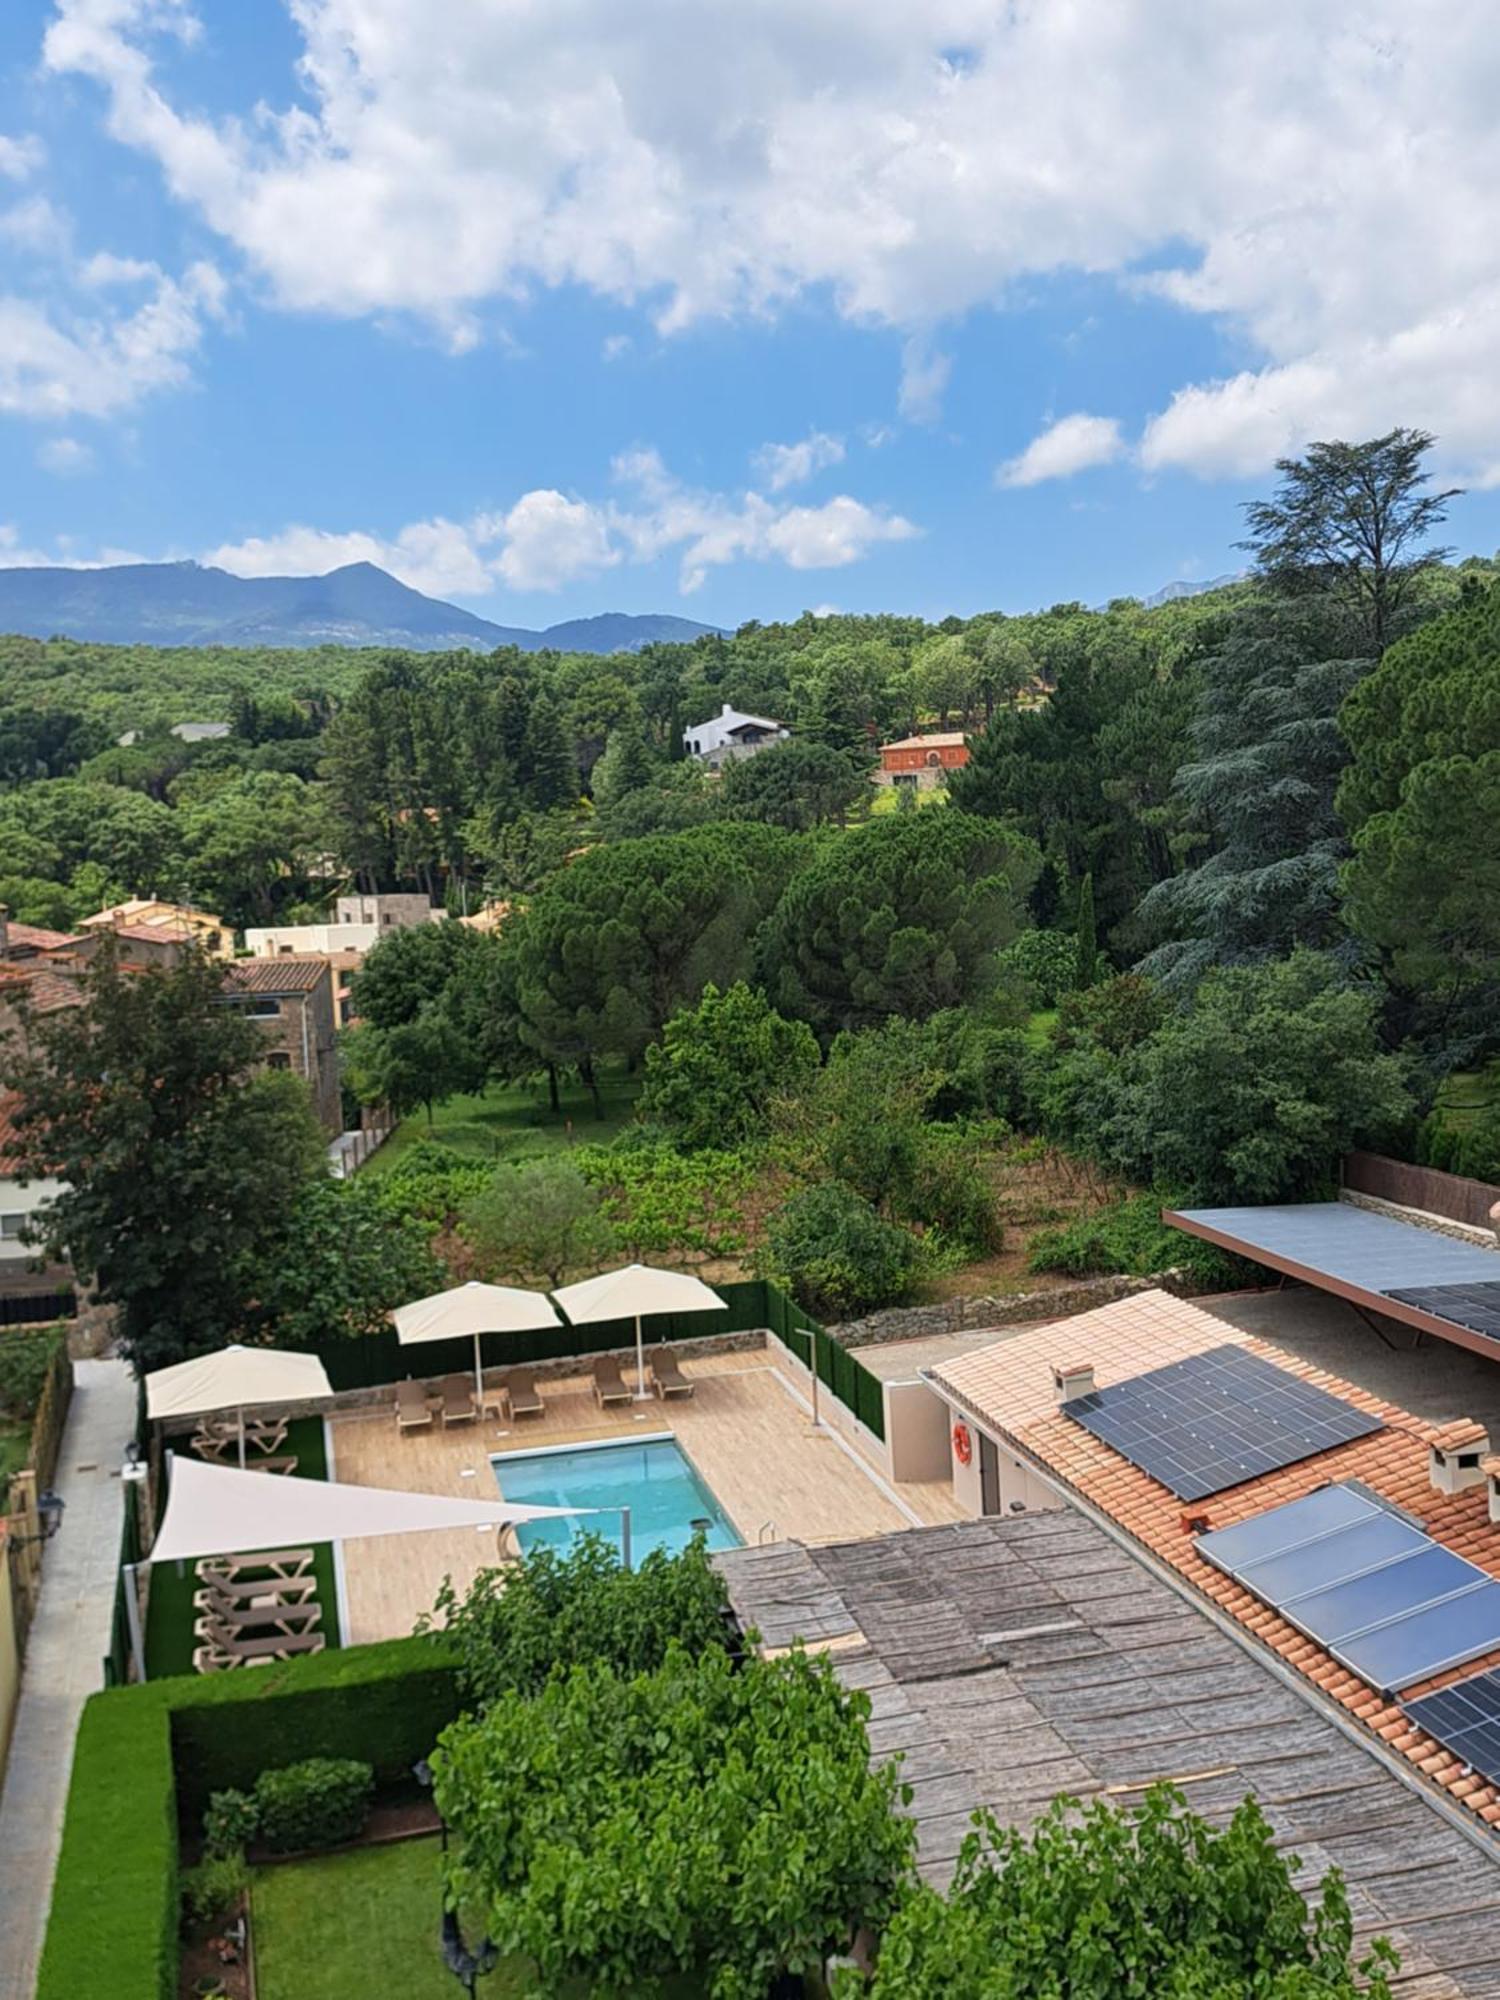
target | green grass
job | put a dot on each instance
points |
(171, 1616)
(512, 1122)
(1467, 1093)
(352, 1926)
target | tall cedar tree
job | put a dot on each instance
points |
(1352, 520)
(179, 1159)
(1085, 933)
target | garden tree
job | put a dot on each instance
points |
(1424, 736)
(180, 1160)
(1260, 791)
(706, 1820)
(944, 679)
(626, 765)
(421, 1062)
(676, 796)
(1253, 1092)
(538, 1220)
(548, 768)
(417, 967)
(798, 785)
(343, 1261)
(1044, 962)
(522, 855)
(249, 845)
(516, 1628)
(627, 933)
(1116, 1014)
(1355, 522)
(901, 916)
(712, 1078)
(834, 1254)
(1087, 970)
(1146, 1903)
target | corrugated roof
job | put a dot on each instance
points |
(1008, 1389)
(277, 975)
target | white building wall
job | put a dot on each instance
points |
(316, 938)
(16, 1204)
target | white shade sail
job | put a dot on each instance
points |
(217, 1510)
(234, 1378)
(471, 1309)
(633, 1292)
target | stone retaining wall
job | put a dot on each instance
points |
(962, 1315)
(1421, 1218)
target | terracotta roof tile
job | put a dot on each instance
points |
(1008, 1388)
(277, 975)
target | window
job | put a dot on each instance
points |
(12, 1223)
(934, 757)
(262, 1009)
(279, 1059)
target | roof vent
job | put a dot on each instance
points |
(1456, 1457)
(1076, 1379)
(1491, 1469)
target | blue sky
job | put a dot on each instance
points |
(574, 307)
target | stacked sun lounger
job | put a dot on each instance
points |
(255, 1609)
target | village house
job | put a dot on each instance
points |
(291, 1001)
(923, 763)
(358, 923)
(731, 734)
(178, 923)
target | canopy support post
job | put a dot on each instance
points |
(128, 1572)
(642, 1394)
(478, 1375)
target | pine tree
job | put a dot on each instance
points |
(1084, 932)
(549, 771)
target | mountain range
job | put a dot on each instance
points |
(188, 604)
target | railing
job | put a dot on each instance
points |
(1427, 1188)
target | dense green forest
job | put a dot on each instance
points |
(1213, 899)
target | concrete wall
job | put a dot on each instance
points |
(318, 939)
(836, 1415)
(916, 1433)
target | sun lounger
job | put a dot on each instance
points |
(266, 1435)
(285, 1466)
(210, 1445)
(666, 1377)
(413, 1409)
(521, 1394)
(609, 1384)
(280, 1563)
(217, 1655)
(458, 1405)
(264, 1618)
(223, 1595)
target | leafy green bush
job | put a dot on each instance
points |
(662, 1203)
(1150, 1904)
(321, 1802)
(432, 1182)
(719, 1065)
(1130, 1237)
(211, 1891)
(1046, 960)
(230, 1822)
(692, 1820)
(836, 1254)
(25, 1358)
(515, 1628)
(538, 1220)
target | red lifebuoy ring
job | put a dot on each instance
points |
(963, 1444)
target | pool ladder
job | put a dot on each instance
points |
(767, 1532)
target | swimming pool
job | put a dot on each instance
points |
(652, 1476)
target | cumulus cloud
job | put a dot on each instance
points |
(20, 157)
(924, 377)
(58, 361)
(547, 539)
(1319, 181)
(64, 456)
(782, 465)
(1070, 445)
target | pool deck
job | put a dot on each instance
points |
(744, 1428)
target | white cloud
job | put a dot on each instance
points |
(64, 456)
(615, 346)
(547, 539)
(1319, 180)
(924, 377)
(1070, 445)
(56, 362)
(782, 465)
(19, 158)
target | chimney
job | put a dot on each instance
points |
(1491, 1470)
(1456, 1457)
(726, 709)
(1076, 1379)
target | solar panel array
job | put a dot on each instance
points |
(1475, 1306)
(1382, 1597)
(1217, 1419)
(1466, 1719)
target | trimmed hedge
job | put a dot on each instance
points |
(145, 1754)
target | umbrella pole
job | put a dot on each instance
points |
(242, 1437)
(640, 1363)
(478, 1376)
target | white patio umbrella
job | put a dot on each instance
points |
(234, 1378)
(473, 1309)
(632, 1293)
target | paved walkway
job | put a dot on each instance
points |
(68, 1642)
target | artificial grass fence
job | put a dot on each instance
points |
(147, 1757)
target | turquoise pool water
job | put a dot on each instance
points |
(650, 1476)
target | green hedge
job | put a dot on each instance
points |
(144, 1755)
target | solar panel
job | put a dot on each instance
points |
(1466, 1719)
(1385, 1599)
(1217, 1419)
(1475, 1306)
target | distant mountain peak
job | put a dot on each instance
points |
(189, 603)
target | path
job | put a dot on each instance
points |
(68, 1642)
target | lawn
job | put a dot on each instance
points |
(516, 1122)
(170, 1616)
(351, 1926)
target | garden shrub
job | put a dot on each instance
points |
(1129, 1238)
(1149, 1904)
(25, 1358)
(321, 1802)
(1046, 960)
(836, 1254)
(431, 1182)
(693, 1820)
(212, 1889)
(516, 1628)
(230, 1822)
(663, 1203)
(721, 1063)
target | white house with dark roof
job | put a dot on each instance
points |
(730, 734)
